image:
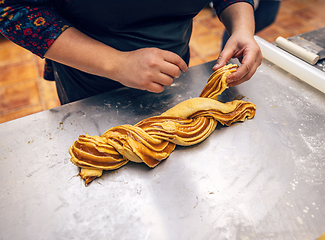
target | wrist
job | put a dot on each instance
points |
(114, 64)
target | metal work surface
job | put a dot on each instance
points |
(261, 179)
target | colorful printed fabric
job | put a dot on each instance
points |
(33, 25)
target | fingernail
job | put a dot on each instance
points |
(230, 81)
(230, 78)
(217, 65)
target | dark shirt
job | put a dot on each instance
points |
(124, 25)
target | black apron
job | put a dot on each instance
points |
(126, 26)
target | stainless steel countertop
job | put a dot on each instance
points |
(261, 179)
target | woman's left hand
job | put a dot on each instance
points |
(238, 19)
(244, 47)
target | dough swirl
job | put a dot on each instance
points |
(153, 139)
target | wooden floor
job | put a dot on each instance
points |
(23, 91)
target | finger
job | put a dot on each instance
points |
(170, 70)
(251, 59)
(248, 64)
(244, 78)
(163, 79)
(241, 72)
(155, 87)
(224, 58)
(176, 60)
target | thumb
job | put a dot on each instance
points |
(223, 59)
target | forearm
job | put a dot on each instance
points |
(239, 17)
(147, 68)
(75, 49)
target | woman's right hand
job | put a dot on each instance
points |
(148, 69)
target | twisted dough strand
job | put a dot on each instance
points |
(153, 139)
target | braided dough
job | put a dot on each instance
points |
(153, 139)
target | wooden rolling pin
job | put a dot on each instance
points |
(297, 51)
(297, 67)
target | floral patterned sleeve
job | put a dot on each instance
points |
(32, 24)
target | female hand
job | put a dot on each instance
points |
(149, 69)
(244, 47)
(238, 19)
